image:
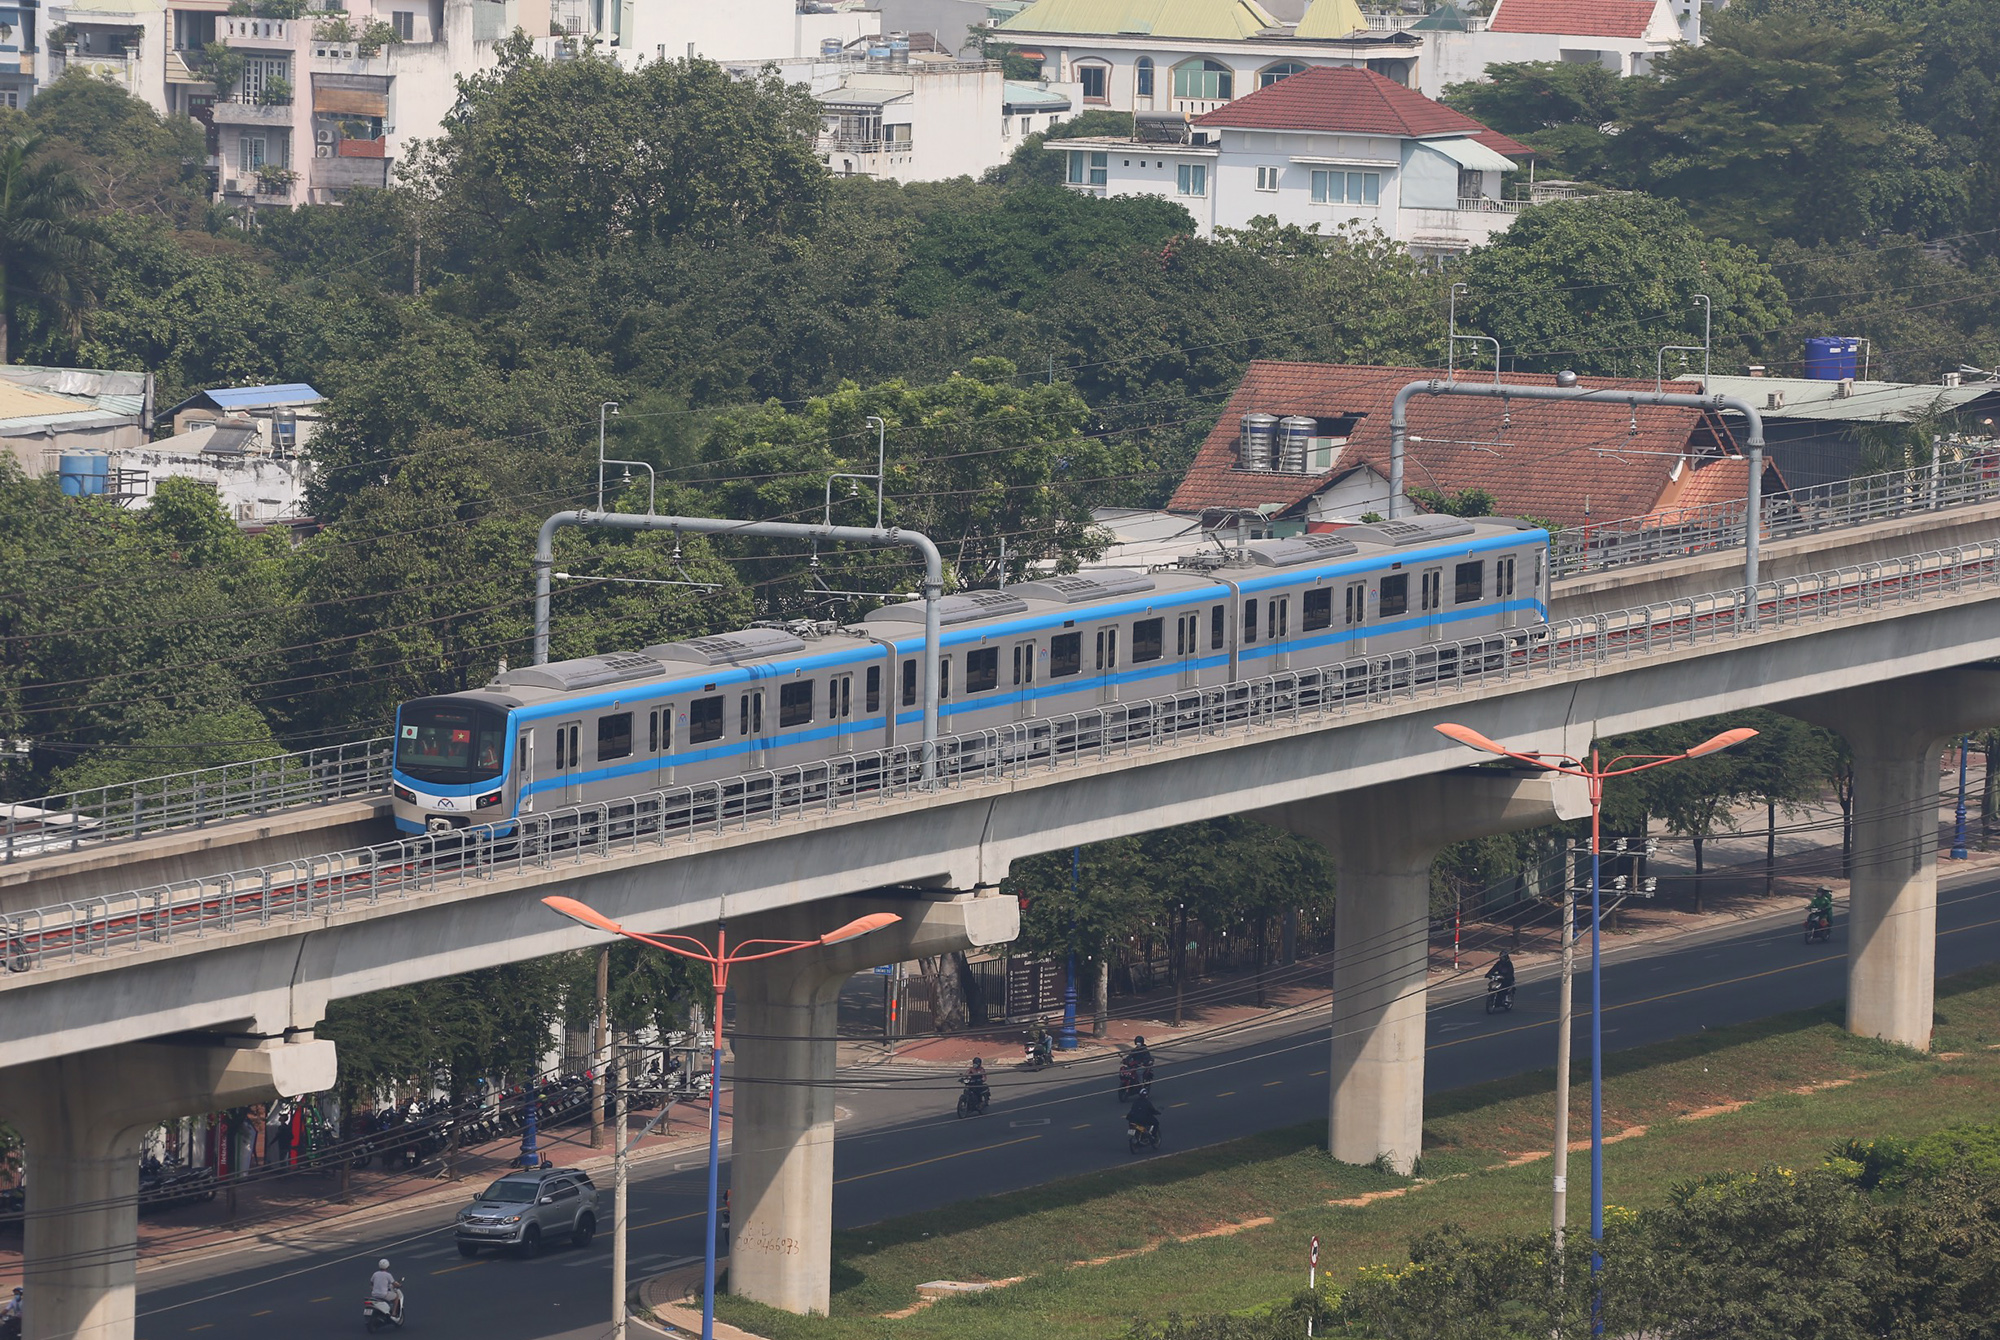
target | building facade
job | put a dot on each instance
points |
(1327, 147)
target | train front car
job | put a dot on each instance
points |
(453, 765)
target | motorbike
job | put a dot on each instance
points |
(10, 1328)
(1499, 999)
(382, 1314)
(1133, 1076)
(1139, 1137)
(972, 1102)
(1038, 1052)
(1819, 927)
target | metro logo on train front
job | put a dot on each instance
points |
(603, 727)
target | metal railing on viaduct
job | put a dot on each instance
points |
(356, 878)
(358, 770)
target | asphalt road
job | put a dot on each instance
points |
(901, 1148)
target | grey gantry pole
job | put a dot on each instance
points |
(786, 530)
(1568, 392)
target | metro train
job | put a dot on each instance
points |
(597, 728)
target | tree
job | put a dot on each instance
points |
(1034, 164)
(132, 158)
(1598, 285)
(1783, 126)
(1560, 108)
(46, 244)
(544, 157)
(1787, 763)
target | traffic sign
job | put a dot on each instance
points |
(885, 970)
(1314, 1259)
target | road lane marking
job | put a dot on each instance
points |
(327, 1299)
(1081, 1126)
(940, 1158)
(1182, 1103)
(464, 1265)
(204, 1326)
(1019, 1122)
(1227, 1093)
(265, 1313)
(1272, 1083)
(1314, 1074)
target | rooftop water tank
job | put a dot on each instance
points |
(829, 48)
(1295, 436)
(1831, 357)
(878, 57)
(1259, 442)
(899, 55)
(84, 474)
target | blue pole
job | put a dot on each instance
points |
(530, 1156)
(1958, 839)
(714, 1175)
(1067, 1038)
(1596, 1086)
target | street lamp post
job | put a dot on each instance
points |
(1595, 773)
(1066, 1036)
(719, 960)
(1958, 852)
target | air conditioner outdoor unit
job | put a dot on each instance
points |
(323, 136)
(322, 151)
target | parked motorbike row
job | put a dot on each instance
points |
(164, 1184)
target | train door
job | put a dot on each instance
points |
(1281, 630)
(1107, 663)
(1505, 573)
(1187, 646)
(569, 767)
(1024, 679)
(524, 769)
(750, 726)
(840, 712)
(1354, 618)
(1433, 603)
(660, 743)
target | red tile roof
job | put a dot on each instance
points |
(1563, 463)
(1574, 18)
(1724, 480)
(1342, 102)
(1497, 142)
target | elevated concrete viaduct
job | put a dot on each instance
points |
(269, 969)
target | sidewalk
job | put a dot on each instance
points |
(274, 1210)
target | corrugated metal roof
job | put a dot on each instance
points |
(1152, 18)
(1869, 402)
(1331, 18)
(22, 402)
(1033, 97)
(257, 397)
(1471, 154)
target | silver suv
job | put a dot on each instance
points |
(525, 1209)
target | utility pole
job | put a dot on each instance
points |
(1560, 1182)
(600, 1057)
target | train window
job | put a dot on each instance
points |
(1215, 629)
(833, 698)
(561, 757)
(652, 732)
(1147, 636)
(743, 714)
(524, 754)
(1468, 583)
(1503, 577)
(705, 720)
(750, 714)
(982, 669)
(909, 683)
(1107, 649)
(944, 677)
(1434, 589)
(1065, 654)
(1395, 597)
(1249, 622)
(1281, 617)
(795, 703)
(1028, 662)
(1318, 608)
(1357, 602)
(1180, 636)
(874, 699)
(846, 696)
(614, 736)
(1017, 661)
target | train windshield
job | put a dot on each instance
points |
(450, 742)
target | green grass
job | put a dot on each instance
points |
(1470, 1135)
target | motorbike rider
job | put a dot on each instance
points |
(1820, 909)
(1037, 1039)
(1139, 1056)
(975, 1080)
(10, 1315)
(1143, 1114)
(386, 1287)
(1502, 972)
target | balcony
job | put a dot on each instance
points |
(250, 32)
(842, 144)
(345, 171)
(127, 74)
(235, 112)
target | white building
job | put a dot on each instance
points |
(1326, 147)
(1623, 36)
(1193, 56)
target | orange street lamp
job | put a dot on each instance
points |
(719, 960)
(1594, 772)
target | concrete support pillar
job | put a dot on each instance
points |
(1383, 841)
(781, 1160)
(83, 1119)
(1896, 731)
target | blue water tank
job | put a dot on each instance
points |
(1832, 357)
(830, 48)
(85, 474)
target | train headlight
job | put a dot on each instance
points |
(487, 802)
(404, 793)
